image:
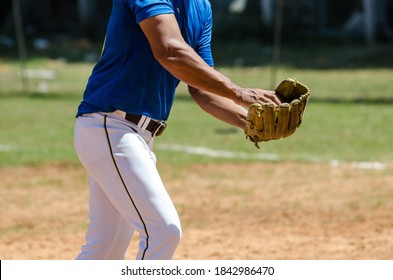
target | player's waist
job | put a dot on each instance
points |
(155, 127)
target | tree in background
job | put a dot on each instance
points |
(47, 17)
(234, 19)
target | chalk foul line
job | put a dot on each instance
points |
(208, 152)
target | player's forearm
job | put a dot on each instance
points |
(220, 108)
(183, 63)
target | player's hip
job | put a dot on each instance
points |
(97, 133)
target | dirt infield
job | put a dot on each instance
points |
(228, 211)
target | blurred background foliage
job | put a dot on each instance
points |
(75, 26)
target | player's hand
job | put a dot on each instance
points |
(255, 95)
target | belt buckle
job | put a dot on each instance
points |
(159, 129)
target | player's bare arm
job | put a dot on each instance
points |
(219, 107)
(170, 49)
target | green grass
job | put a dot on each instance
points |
(348, 117)
(342, 131)
(37, 127)
(36, 130)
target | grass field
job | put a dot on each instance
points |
(348, 117)
(323, 193)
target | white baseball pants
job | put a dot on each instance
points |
(126, 191)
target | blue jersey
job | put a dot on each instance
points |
(128, 77)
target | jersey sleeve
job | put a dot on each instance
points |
(144, 9)
(203, 47)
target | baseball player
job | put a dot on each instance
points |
(150, 46)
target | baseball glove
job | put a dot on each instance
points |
(269, 121)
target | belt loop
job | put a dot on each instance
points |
(159, 129)
(143, 122)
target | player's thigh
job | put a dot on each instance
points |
(122, 163)
(134, 185)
